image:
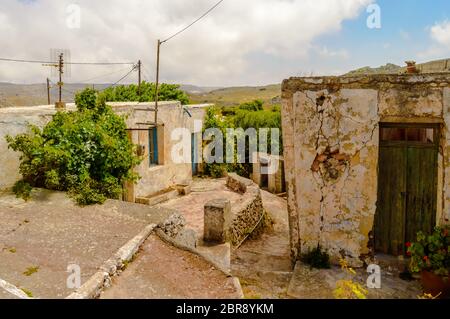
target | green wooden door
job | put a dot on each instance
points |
(421, 191)
(407, 186)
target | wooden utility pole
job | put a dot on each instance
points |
(48, 91)
(61, 71)
(139, 77)
(157, 82)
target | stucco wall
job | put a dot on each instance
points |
(154, 179)
(171, 116)
(331, 138)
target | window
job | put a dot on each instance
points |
(153, 146)
(422, 135)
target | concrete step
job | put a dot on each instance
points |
(158, 199)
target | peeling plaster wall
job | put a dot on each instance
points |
(331, 140)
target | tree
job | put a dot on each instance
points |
(86, 152)
(128, 93)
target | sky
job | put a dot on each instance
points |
(241, 42)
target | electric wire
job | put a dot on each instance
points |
(190, 25)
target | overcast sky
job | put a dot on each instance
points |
(242, 42)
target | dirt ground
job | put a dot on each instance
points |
(40, 238)
(163, 271)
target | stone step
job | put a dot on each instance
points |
(158, 199)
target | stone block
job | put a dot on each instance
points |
(216, 217)
(237, 183)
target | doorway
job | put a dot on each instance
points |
(194, 153)
(407, 185)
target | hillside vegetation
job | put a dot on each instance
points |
(269, 95)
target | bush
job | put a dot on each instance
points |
(129, 93)
(86, 152)
(317, 258)
(256, 105)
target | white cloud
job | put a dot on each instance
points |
(440, 33)
(325, 52)
(440, 36)
(220, 50)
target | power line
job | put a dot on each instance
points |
(104, 75)
(26, 61)
(72, 63)
(190, 25)
(121, 79)
(101, 63)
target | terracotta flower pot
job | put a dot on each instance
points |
(435, 285)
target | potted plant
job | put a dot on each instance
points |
(431, 258)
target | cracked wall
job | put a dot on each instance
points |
(331, 138)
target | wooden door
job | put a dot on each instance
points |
(407, 185)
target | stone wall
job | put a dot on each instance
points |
(331, 139)
(248, 214)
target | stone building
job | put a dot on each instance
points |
(158, 171)
(367, 161)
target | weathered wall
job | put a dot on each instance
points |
(331, 138)
(154, 179)
(170, 117)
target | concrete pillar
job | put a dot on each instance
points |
(217, 214)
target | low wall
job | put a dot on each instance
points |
(249, 216)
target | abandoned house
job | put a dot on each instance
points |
(367, 161)
(158, 171)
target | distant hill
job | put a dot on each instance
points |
(36, 94)
(427, 67)
(194, 89)
(269, 94)
(385, 69)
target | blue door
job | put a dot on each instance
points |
(194, 153)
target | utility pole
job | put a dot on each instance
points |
(61, 71)
(139, 77)
(48, 91)
(157, 82)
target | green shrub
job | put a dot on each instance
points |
(256, 105)
(22, 190)
(129, 93)
(86, 153)
(317, 258)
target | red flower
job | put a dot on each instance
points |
(408, 244)
(408, 253)
(425, 258)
